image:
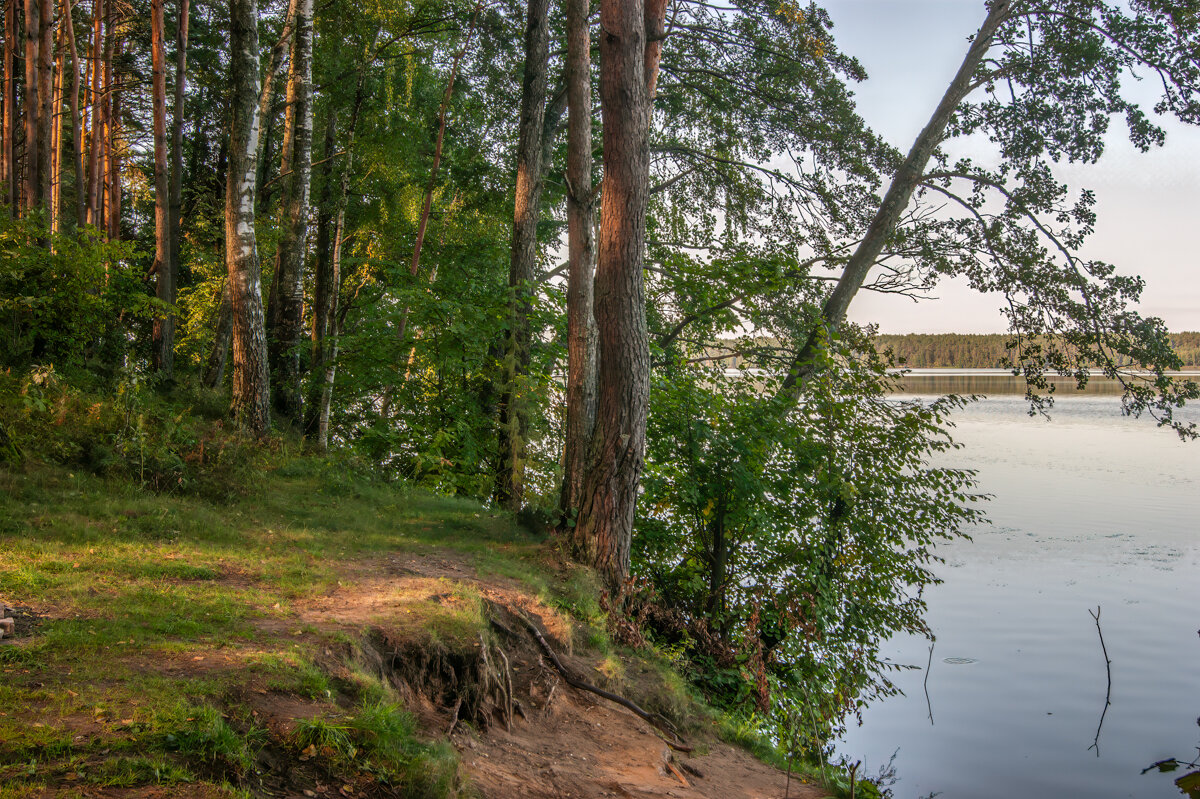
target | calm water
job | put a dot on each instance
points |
(1091, 509)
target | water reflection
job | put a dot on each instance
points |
(1091, 509)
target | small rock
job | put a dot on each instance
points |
(7, 627)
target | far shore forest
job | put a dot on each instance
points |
(481, 249)
(988, 351)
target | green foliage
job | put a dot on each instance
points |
(796, 545)
(67, 300)
(128, 429)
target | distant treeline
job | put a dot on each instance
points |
(966, 351)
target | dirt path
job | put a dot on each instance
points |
(579, 748)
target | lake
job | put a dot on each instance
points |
(1091, 509)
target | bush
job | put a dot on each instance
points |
(129, 431)
(68, 299)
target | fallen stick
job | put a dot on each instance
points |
(657, 721)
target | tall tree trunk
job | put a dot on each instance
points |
(76, 121)
(164, 325)
(324, 281)
(904, 182)
(286, 328)
(251, 377)
(46, 112)
(329, 345)
(104, 210)
(32, 191)
(96, 65)
(514, 413)
(115, 188)
(8, 170)
(56, 129)
(603, 533)
(176, 188)
(581, 258)
(266, 98)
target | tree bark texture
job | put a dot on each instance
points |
(94, 180)
(164, 324)
(80, 199)
(266, 98)
(581, 259)
(251, 404)
(58, 96)
(32, 192)
(176, 180)
(112, 118)
(904, 182)
(603, 532)
(8, 170)
(287, 296)
(46, 115)
(514, 413)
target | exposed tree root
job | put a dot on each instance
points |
(653, 719)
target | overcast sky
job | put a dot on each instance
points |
(1148, 205)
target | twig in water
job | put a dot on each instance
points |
(928, 666)
(1108, 671)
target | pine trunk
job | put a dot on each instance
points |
(895, 201)
(286, 327)
(176, 188)
(56, 126)
(164, 324)
(94, 160)
(80, 200)
(32, 191)
(251, 378)
(8, 170)
(514, 415)
(603, 533)
(46, 112)
(266, 98)
(581, 258)
(113, 204)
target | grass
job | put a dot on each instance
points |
(162, 611)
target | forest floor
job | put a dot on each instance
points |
(323, 636)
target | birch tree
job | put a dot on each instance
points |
(251, 377)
